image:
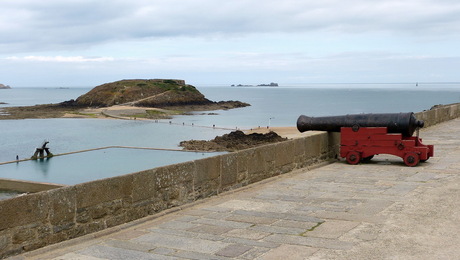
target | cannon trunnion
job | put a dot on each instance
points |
(366, 135)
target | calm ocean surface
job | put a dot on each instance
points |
(279, 106)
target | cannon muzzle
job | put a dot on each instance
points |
(404, 123)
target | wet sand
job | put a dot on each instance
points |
(284, 131)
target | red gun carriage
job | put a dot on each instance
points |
(366, 135)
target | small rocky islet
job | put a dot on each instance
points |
(2, 86)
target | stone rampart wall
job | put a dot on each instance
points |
(43, 218)
(439, 114)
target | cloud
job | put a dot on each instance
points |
(75, 59)
(212, 40)
(47, 25)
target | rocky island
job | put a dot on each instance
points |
(272, 84)
(134, 98)
(4, 86)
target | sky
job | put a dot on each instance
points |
(66, 43)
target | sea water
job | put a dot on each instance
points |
(39, 95)
(282, 106)
(270, 106)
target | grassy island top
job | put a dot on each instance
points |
(143, 92)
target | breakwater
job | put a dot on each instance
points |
(38, 219)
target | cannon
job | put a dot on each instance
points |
(365, 135)
(404, 123)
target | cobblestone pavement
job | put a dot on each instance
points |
(378, 210)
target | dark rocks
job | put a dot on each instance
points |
(236, 140)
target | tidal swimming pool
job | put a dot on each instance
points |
(92, 165)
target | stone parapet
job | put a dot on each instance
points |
(439, 114)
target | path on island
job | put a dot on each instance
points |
(378, 210)
(127, 112)
(133, 103)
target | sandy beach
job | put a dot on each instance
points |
(289, 132)
(118, 112)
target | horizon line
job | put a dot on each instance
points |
(249, 84)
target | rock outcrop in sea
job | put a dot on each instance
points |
(159, 93)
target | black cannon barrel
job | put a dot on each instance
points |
(404, 123)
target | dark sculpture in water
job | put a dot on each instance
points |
(40, 152)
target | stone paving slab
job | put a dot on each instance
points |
(378, 210)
